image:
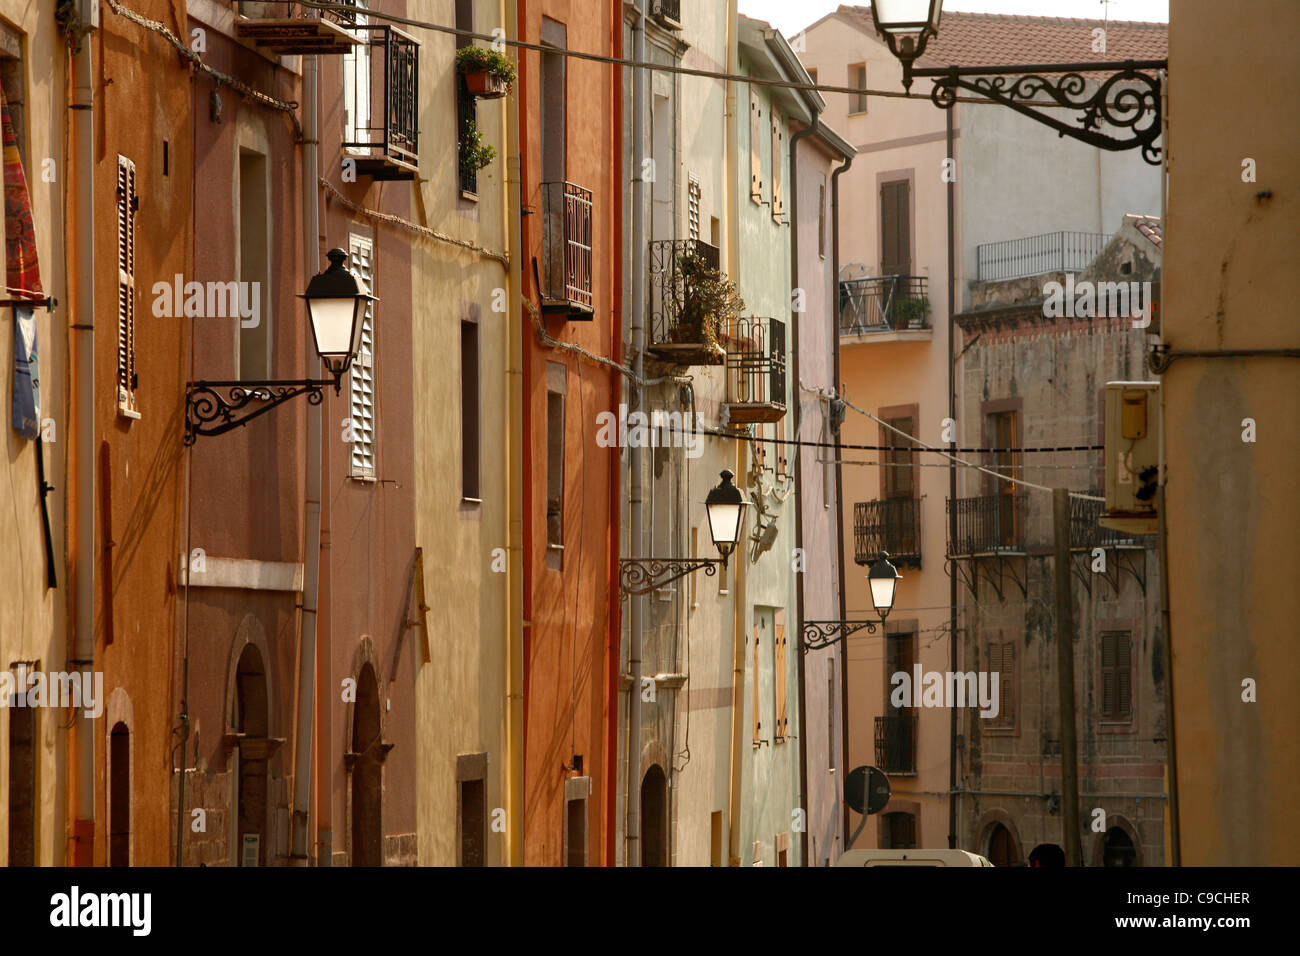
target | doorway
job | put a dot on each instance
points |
(367, 773)
(654, 818)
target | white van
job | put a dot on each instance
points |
(911, 858)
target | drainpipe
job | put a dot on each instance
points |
(299, 852)
(514, 475)
(839, 476)
(84, 639)
(952, 496)
(632, 851)
(738, 599)
(798, 470)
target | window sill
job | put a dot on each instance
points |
(468, 196)
(130, 413)
(472, 502)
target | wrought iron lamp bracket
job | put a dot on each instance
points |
(819, 634)
(212, 408)
(1127, 101)
(643, 575)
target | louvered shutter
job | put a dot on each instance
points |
(1007, 685)
(777, 168)
(1123, 676)
(361, 377)
(758, 723)
(693, 208)
(782, 721)
(1108, 674)
(126, 208)
(755, 160)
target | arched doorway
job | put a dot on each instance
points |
(249, 717)
(1002, 849)
(1118, 848)
(1047, 855)
(367, 773)
(119, 795)
(654, 817)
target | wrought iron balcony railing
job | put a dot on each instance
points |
(896, 743)
(286, 27)
(889, 524)
(682, 330)
(385, 93)
(1087, 533)
(1036, 255)
(668, 12)
(567, 249)
(988, 524)
(755, 369)
(884, 304)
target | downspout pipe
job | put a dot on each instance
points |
(302, 775)
(632, 845)
(839, 473)
(84, 598)
(953, 637)
(798, 476)
(514, 477)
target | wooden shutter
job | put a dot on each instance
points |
(782, 720)
(755, 161)
(127, 204)
(1116, 675)
(1007, 685)
(693, 208)
(899, 464)
(361, 377)
(778, 164)
(758, 722)
(895, 228)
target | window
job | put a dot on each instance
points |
(1116, 694)
(555, 389)
(778, 164)
(778, 646)
(466, 105)
(471, 809)
(469, 411)
(361, 376)
(896, 228)
(821, 220)
(127, 205)
(254, 268)
(755, 161)
(1002, 661)
(1004, 431)
(715, 838)
(553, 91)
(898, 831)
(858, 81)
(900, 467)
(830, 713)
(760, 626)
(13, 82)
(22, 773)
(119, 795)
(693, 208)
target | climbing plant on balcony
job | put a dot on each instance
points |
(487, 73)
(709, 303)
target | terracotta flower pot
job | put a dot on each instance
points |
(485, 84)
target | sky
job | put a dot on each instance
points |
(791, 16)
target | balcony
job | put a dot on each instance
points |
(1036, 255)
(755, 370)
(988, 525)
(896, 744)
(286, 28)
(689, 295)
(566, 250)
(667, 12)
(382, 93)
(884, 304)
(889, 524)
(1087, 533)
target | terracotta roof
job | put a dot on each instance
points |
(1151, 228)
(995, 39)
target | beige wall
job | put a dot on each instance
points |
(1233, 513)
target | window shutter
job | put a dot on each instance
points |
(1007, 685)
(755, 162)
(361, 377)
(1123, 676)
(758, 723)
(1108, 674)
(693, 208)
(777, 168)
(782, 720)
(127, 203)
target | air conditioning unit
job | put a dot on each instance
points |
(1133, 426)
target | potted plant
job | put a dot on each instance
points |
(474, 153)
(487, 73)
(912, 311)
(709, 302)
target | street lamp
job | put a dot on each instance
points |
(725, 507)
(1126, 102)
(883, 578)
(336, 304)
(906, 25)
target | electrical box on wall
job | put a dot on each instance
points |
(1132, 456)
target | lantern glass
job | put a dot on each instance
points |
(883, 578)
(726, 509)
(907, 16)
(334, 323)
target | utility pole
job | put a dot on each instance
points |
(1065, 671)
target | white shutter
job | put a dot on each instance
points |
(361, 377)
(126, 209)
(693, 208)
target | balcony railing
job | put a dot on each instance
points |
(286, 27)
(896, 743)
(680, 331)
(1035, 255)
(386, 95)
(884, 304)
(755, 370)
(668, 12)
(1086, 533)
(567, 248)
(889, 524)
(989, 524)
